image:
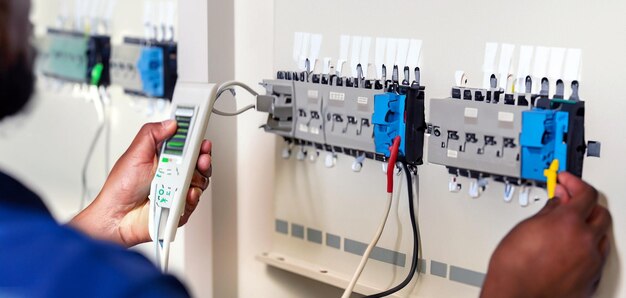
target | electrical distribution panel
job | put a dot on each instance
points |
(354, 116)
(512, 138)
(76, 57)
(145, 67)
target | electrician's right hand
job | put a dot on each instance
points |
(559, 252)
(120, 212)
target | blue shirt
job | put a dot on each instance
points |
(40, 258)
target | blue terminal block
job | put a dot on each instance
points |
(543, 139)
(151, 68)
(389, 122)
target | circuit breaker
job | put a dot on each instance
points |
(145, 67)
(513, 138)
(76, 57)
(345, 115)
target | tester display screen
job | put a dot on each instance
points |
(176, 144)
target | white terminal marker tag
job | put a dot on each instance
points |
(555, 68)
(403, 52)
(316, 46)
(365, 54)
(491, 50)
(573, 61)
(355, 55)
(523, 68)
(415, 52)
(297, 46)
(540, 67)
(392, 50)
(379, 59)
(304, 53)
(344, 48)
(506, 55)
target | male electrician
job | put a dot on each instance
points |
(559, 252)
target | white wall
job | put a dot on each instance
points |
(254, 40)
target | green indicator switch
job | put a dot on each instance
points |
(176, 144)
(180, 136)
(165, 159)
(183, 124)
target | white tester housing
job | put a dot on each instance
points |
(191, 108)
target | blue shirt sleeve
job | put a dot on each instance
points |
(39, 258)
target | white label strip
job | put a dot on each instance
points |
(506, 117)
(303, 128)
(362, 100)
(541, 62)
(506, 55)
(491, 50)
(403, 51)
(337, 96)
(415, 50)
(365, 54)
(392, 49)
(313, 94)
(453, 153)
(355, 54)
(471, 113)
(572, 65)
(379, 59)
(316, 45)
(297, 46)
(555, 68)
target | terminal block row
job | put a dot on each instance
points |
(353, 116)
(145, 67)
(513, 138)
(76, 57)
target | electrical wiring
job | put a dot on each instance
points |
(106, 100)
(390, 172)
(100, 110)
(416, 240)
(162, 252)
(156, 227)
(229, 86)
(236, 113)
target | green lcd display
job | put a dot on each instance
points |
(176, 144)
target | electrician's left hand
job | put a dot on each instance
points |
(120, 211)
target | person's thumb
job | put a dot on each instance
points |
(153, 134)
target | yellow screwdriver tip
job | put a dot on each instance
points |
(551, 174)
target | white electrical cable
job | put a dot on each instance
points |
(157, 227)
(172, 225)
(106, 100)
(368, 251)
(99, 105)
(236, 113)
